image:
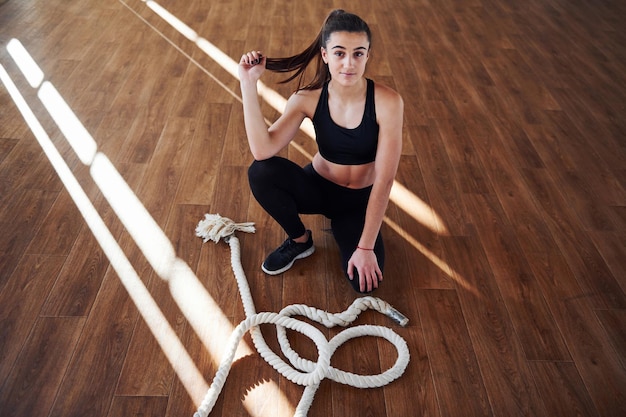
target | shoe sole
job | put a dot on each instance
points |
(304, 254)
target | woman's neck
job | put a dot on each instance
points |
(348, 92)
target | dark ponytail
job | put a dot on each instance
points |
(337, 21)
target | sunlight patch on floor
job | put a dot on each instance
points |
(192, 297)
(437, 261)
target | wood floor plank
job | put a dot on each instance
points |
(235, 150)
(199, 179)
(26, 167)
(560, 289)
(146, 354)
(612, 247)
(92, 374)
(137, 406)
(580, 253)
(253, 389)
(359, 356)
(415, 231)
(414, 392)
(442, 185)
(180, 400)
(59, 229)
(462, 154)
(266, 291)
(214, 271)
(40, 367)
(22, 216)
(455, 368)
(155, 94)
(72, 297)
(584, 177)
(607, 151)
(415, 109)
(510, 384)
(183, 237)
(6, 145)
(512, 72)
(613, 322)
(215, 259)
(86, 261)
(562, 377)
(539, 335)
(307, 281)
(22, 295)
(13, 126)
(592, 350)
(398, 274)
(159, 185)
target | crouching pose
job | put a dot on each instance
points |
(358, 127)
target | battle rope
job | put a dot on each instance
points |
(301, 371)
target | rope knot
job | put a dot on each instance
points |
(214, 227)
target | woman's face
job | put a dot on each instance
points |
(346, 54)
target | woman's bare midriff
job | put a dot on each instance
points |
(350, 176)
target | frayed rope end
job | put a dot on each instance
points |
(214, 227)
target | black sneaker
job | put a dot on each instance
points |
(283, 258)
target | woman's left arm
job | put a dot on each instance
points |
(390, 114)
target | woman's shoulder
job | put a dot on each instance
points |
(387, 94)
(305, 100)
(388, 101)
(308, 94)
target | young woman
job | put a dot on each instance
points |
(358, 127)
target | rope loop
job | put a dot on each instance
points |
(299, 371)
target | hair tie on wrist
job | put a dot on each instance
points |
(359, 247)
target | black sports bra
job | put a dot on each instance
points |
(346, 146)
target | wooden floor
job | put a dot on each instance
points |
(506, 236)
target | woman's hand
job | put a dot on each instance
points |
(366, 265)
(251, 66)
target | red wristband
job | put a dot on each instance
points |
(359, 247)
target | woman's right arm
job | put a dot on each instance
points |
(265, 143)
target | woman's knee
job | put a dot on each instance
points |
(258, 169)
(270, 168)
(262, 172)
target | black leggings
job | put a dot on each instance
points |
(285, 190)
